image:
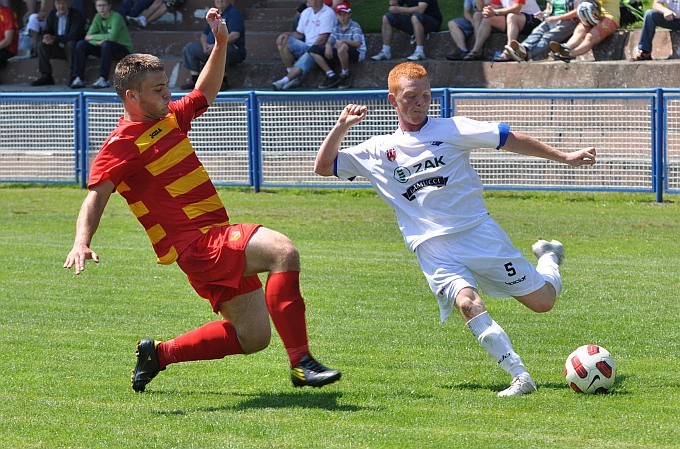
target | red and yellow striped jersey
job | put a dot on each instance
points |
(156, 170)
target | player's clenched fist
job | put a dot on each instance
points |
(353, 114)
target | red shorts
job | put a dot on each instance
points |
(214, 263)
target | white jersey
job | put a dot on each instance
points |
(426, 176)
(313, 24)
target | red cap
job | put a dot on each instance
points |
(342, 7)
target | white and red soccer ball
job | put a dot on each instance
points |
(590, 369)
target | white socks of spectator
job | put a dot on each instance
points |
(420, 49)
(493, 338)
(344, 72)
(548, 268)
(330, 73)
(387, 49)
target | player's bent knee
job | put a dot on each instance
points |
(255, 343)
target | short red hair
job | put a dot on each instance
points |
(409, 70)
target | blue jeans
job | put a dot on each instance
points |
(654, 19)
(538, 42)
(299, 49)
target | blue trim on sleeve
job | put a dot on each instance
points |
(504, 131)
(335, 170)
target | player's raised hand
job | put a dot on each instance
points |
(585, 156)
(217, 24)
(77, 257)
(352, 114)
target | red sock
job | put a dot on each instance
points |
(213, 340)
(287, 309)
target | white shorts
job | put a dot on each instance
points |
(483, 258)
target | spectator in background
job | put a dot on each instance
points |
(315, 26)
(36, 21)
(64, 27)
(558, 26)
(9, 34)
(665, 14)
(35, 6)
(107, 39)
(133, 11)
(416, 18)
(586, 36)
(514, 17)
(154, 11)
(196, 53)
(346, 44)
(462, 28)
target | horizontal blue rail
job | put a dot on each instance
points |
(276, 133)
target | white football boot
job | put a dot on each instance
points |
(543, 246)
(522, 384)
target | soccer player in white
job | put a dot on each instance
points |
(423, 172)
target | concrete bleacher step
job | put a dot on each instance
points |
(605, 66)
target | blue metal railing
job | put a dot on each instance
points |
(306, 116)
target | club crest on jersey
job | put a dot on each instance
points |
(391, 154)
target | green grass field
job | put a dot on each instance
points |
(67, 342)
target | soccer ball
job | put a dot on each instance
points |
(590, 369)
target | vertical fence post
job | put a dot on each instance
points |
(83, 144)
(254, 141)
(658, 145)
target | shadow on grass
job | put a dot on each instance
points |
(324, 401)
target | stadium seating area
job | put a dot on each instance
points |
(606, 67)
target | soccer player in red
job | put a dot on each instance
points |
(149, 160)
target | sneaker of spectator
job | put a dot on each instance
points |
(456, 54)
(330, 82)
(101, 83)
(345, 81)
(641, 55)
(77, 83)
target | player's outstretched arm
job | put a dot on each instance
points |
(328, 151)
(88, 221)
(210, 79)
(521, 143)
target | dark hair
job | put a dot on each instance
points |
(133, 69)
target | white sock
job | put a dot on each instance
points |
(330, 73)
(387, 49)
(344, 72)
(420, 49)
(548, 268)
(493, 338)
(285, 80)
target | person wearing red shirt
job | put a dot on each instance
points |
(148, 159)
(9, 34)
